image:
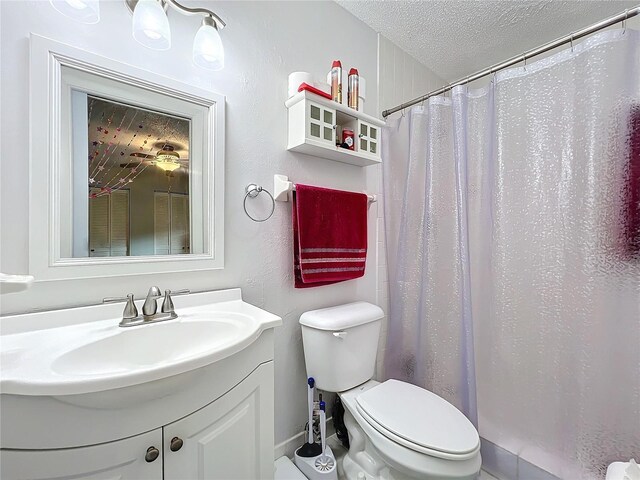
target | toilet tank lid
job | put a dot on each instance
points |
(342, 316)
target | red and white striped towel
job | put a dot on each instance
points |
(329, 235)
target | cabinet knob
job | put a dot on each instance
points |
(152, 454)
(335, 127)
(176, 444)
(360, 135)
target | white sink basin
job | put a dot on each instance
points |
(77, 351)
(157, 344)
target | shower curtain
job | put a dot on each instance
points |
(511, 262)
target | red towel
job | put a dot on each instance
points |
(329, 235)
(632, 200)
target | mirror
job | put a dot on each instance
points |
(133, 168)
(137, 182)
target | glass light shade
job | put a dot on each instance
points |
(208, 51)
(168, 165)
(85, 11)
(151, 25)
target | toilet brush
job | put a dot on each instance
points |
(324, 462)
(311, 448)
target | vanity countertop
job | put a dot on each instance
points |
(83, 350)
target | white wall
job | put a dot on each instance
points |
(264, 42)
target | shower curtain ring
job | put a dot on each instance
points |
(624, 21)
(524, 59)
(571, 39)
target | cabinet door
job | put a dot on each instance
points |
(368, 138)
(230, 439)
(321, 123)
(121, 460)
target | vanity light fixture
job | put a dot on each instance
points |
(151, 25)
(208, 51)
(151, 29)
(85, 11)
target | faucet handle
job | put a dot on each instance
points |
(167, 304)
(130, 310)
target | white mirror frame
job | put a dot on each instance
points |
(46, 168)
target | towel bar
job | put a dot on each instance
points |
(282, 186)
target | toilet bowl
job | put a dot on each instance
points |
(407, 448)
(397, 431)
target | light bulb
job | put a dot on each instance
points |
(208, 51)
(85, 11)
(151, 25)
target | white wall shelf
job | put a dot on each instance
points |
(315, 122)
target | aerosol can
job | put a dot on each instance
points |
(336, 81)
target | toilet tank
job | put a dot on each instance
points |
(341, 344)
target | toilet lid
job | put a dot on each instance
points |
(418, 416)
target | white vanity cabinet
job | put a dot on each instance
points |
(122, 459)
(206, 414)
(231, 439)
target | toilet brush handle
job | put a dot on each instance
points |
(311, 382)
(323, 427)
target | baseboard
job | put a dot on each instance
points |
(288, 447)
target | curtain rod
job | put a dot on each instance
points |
(620, 17)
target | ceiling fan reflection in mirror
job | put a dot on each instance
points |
(166, 159)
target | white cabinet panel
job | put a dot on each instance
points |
(321, 124)
(120, 460)
(229, 439)
(368, 138)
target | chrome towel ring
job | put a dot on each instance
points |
(252, 191)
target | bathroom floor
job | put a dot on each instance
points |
(487, 476)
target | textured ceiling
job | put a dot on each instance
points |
(455, 38)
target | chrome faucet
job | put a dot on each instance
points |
(130, 316)
(150, 306)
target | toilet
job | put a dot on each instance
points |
(397, 431)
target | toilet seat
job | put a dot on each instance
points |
(419, 420)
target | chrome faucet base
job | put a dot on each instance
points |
(146, 319)
(150, 314)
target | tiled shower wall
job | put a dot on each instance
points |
(400, 78)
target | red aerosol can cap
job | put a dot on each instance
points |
(353, 71)
(336, 63)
